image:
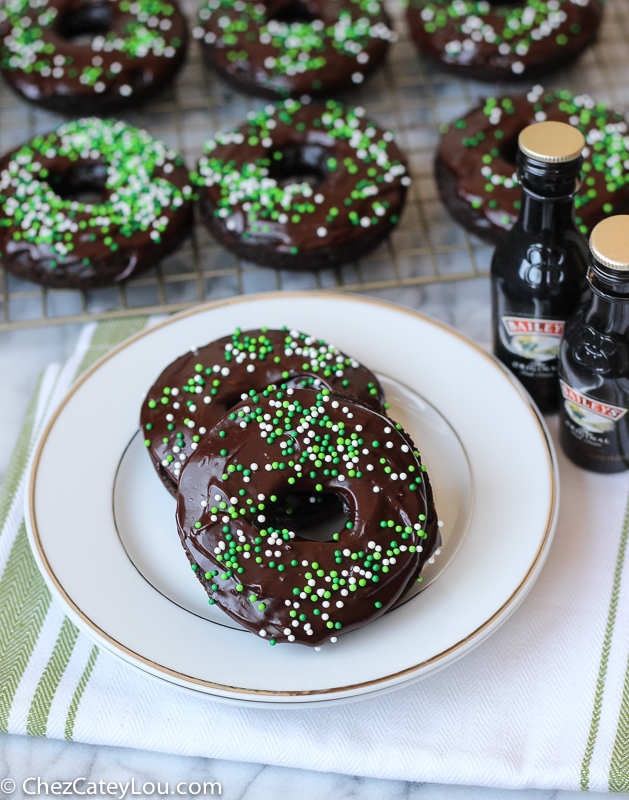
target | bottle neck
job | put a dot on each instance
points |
(608, 284)
(548, 192)
(608, 309)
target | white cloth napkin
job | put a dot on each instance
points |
(543, 703)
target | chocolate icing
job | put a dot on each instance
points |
(194, 392)
(475, 165)
(493, 42)
(284, 48)
(266, 579)
(302, 187)
(137, 49)
(99, 243)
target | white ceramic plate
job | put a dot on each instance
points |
(103, 532)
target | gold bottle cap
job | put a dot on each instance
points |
(609, 242)
(551, 142)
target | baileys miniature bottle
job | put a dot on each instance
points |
(538, 270)
(594, 358)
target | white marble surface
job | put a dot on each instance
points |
(23, 354)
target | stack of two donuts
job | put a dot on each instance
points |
(251, 433)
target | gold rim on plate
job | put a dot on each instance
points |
(89, 625)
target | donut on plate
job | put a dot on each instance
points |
(302, 186)
(194, 392)
(492, 41)
(94, 202)
(272, 581)
(288, 48)
(79, 57)
(475, 165)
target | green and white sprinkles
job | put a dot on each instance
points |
(251, 43)
(493, 185)
(31, 44)
(507, 33)
(314, 439)
(139, 196)
(176, 416)
(255, 204)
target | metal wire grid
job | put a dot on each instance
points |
(407, 94)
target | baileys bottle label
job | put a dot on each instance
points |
(534, 343)
(592, 415)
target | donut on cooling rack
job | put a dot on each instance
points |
(287, 48)
(138, 205)
(491, 41)
(475, 165)
(75, 57)
(302, 187)
(273, 582)
(194, 392)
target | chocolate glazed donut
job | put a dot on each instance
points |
(302, 187)
(133, 49)
(490, 41)
(140, 206)
(288, 48)
(273, 582)
(475, 166)
(194, 392)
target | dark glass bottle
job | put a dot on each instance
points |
(594, 358)
(538, 270)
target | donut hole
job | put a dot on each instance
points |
(292, 12)
(80, 25)
(304, 163)
(84, 183)
(313, 517)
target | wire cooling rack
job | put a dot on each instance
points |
(407, 94)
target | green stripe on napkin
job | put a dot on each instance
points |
(24, 597)
(607, 642)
